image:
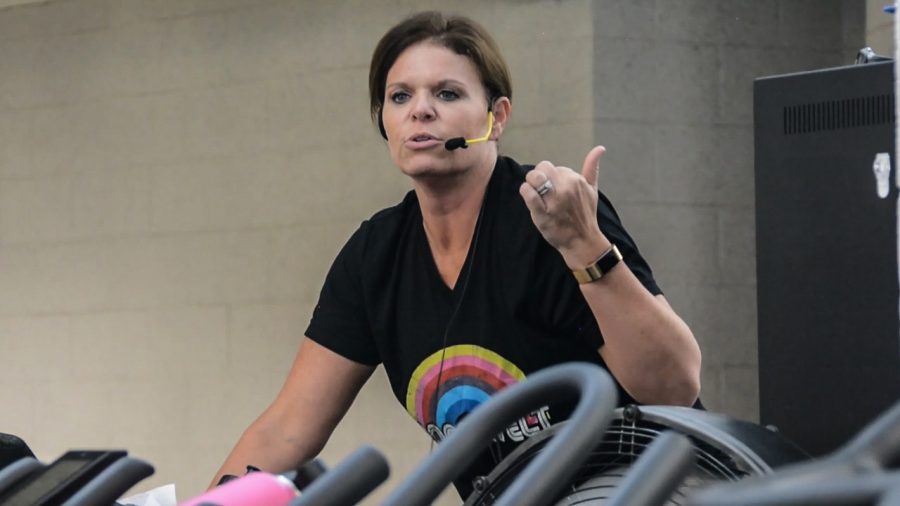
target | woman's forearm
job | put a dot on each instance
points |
(266, 446)
(647, 346)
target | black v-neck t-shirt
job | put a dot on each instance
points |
(515, 309)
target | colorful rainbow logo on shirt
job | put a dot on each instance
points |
(469, 376)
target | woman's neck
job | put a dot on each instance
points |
(450, 208)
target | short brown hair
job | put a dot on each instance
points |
(458, 34)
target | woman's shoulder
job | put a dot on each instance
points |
(384, 229)
(509, 168)
(394, 216)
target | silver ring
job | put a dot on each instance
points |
(544, 188)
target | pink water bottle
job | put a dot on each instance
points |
(252, 489)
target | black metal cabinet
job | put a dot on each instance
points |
(827, 252)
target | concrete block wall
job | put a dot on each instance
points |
(673, 101)
(176, 177)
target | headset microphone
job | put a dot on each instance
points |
(462, 142)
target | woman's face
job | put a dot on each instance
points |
(433, 94)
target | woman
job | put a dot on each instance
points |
(467, 285)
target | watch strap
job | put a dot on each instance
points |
(607, 260)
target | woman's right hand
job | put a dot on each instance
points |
(566, 213)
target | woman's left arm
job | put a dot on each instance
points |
(647, 347)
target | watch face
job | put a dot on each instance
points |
(604, 264)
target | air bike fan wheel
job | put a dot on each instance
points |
(726, 450)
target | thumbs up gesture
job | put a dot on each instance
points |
(563, 206)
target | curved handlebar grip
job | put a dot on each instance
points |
(111, 483)
(851, 475)
(829, 487)
(547, 473)
(878, 442)
(348, 482)
(18, 470)
(657, 473)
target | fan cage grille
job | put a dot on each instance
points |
(622, 445)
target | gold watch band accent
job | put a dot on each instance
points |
(607, 260)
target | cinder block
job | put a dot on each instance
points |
(624, 76)
(854, 18)
(563, 144)
(628, 172)
(155, 409)
(732, 391)
(813, 24)
(138, 130)
(130, 59)
(301, 257)
(44, 19)
(688, 21)
(214, 268)
(533, 21)
(17, 67)
(687, 170)
(343, 185)
(72, 414)
(680, 242)
(275, 40)
(751, 22)
(38, 348)
(374, 181)
(655, 80)
(710, 165)
(240, 398)
(35, 209)
(64, 139)
(148, 346)
(21, 394)
(525, 73)
(131, 273)
(161, 9)
(109, 203)
(48, 279)
(15, 145)
(734, 166)
(74, 67)
(225, 121)
(684, 86)
(740, 392)
(300, 112)
(92, 135)
(626, 20)
(192, 53)
(113, 346)
(737, 245)
(566, 90)
(722, 318)
(264, 338)
(225, 193)
(741, 65)
(67, 69)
